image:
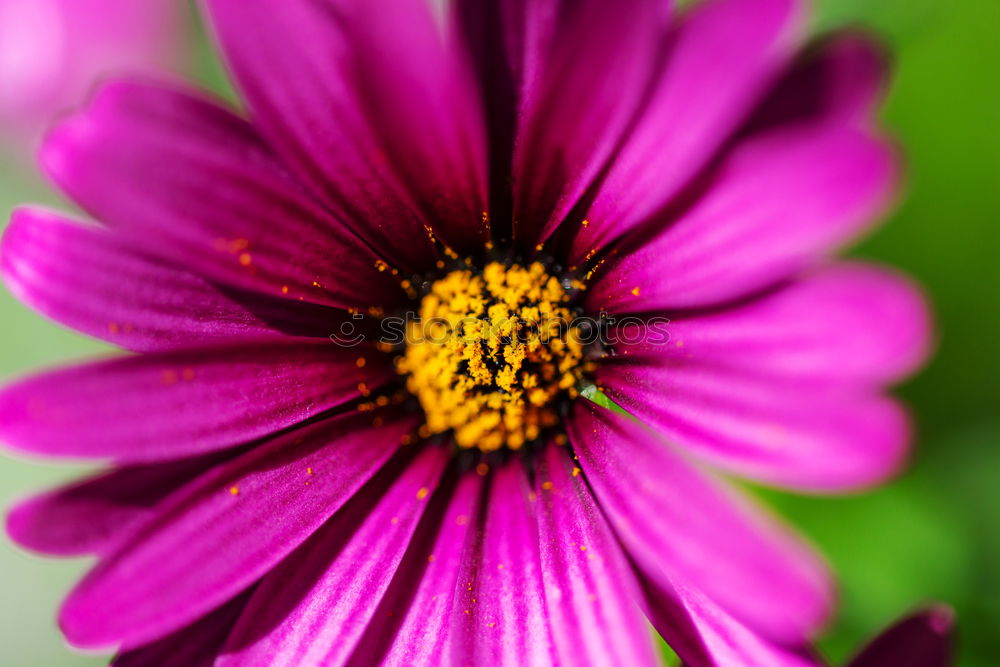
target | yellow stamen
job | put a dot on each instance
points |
(491, 352)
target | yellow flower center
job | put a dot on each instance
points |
(490, 354)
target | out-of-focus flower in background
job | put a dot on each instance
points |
(52, 52)
(923, 639)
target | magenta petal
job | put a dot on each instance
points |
(423, 598)
(226, 530)
(591, 592)
(197, 645)
(842, 80)
(372, 108)
(777, 204)
(721, 58)
(923, 639)
(850, 323)
(793, 434)
(314, 607)
(670, 516)
(95, 282)
(97, 513)
(499, 616)
(177, 404)
(587, 69)
(705, 635)
(186, 179)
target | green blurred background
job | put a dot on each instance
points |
(934, 534)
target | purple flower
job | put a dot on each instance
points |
(495, 168)
(52, 51)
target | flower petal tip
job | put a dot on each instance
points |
(922, 639)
